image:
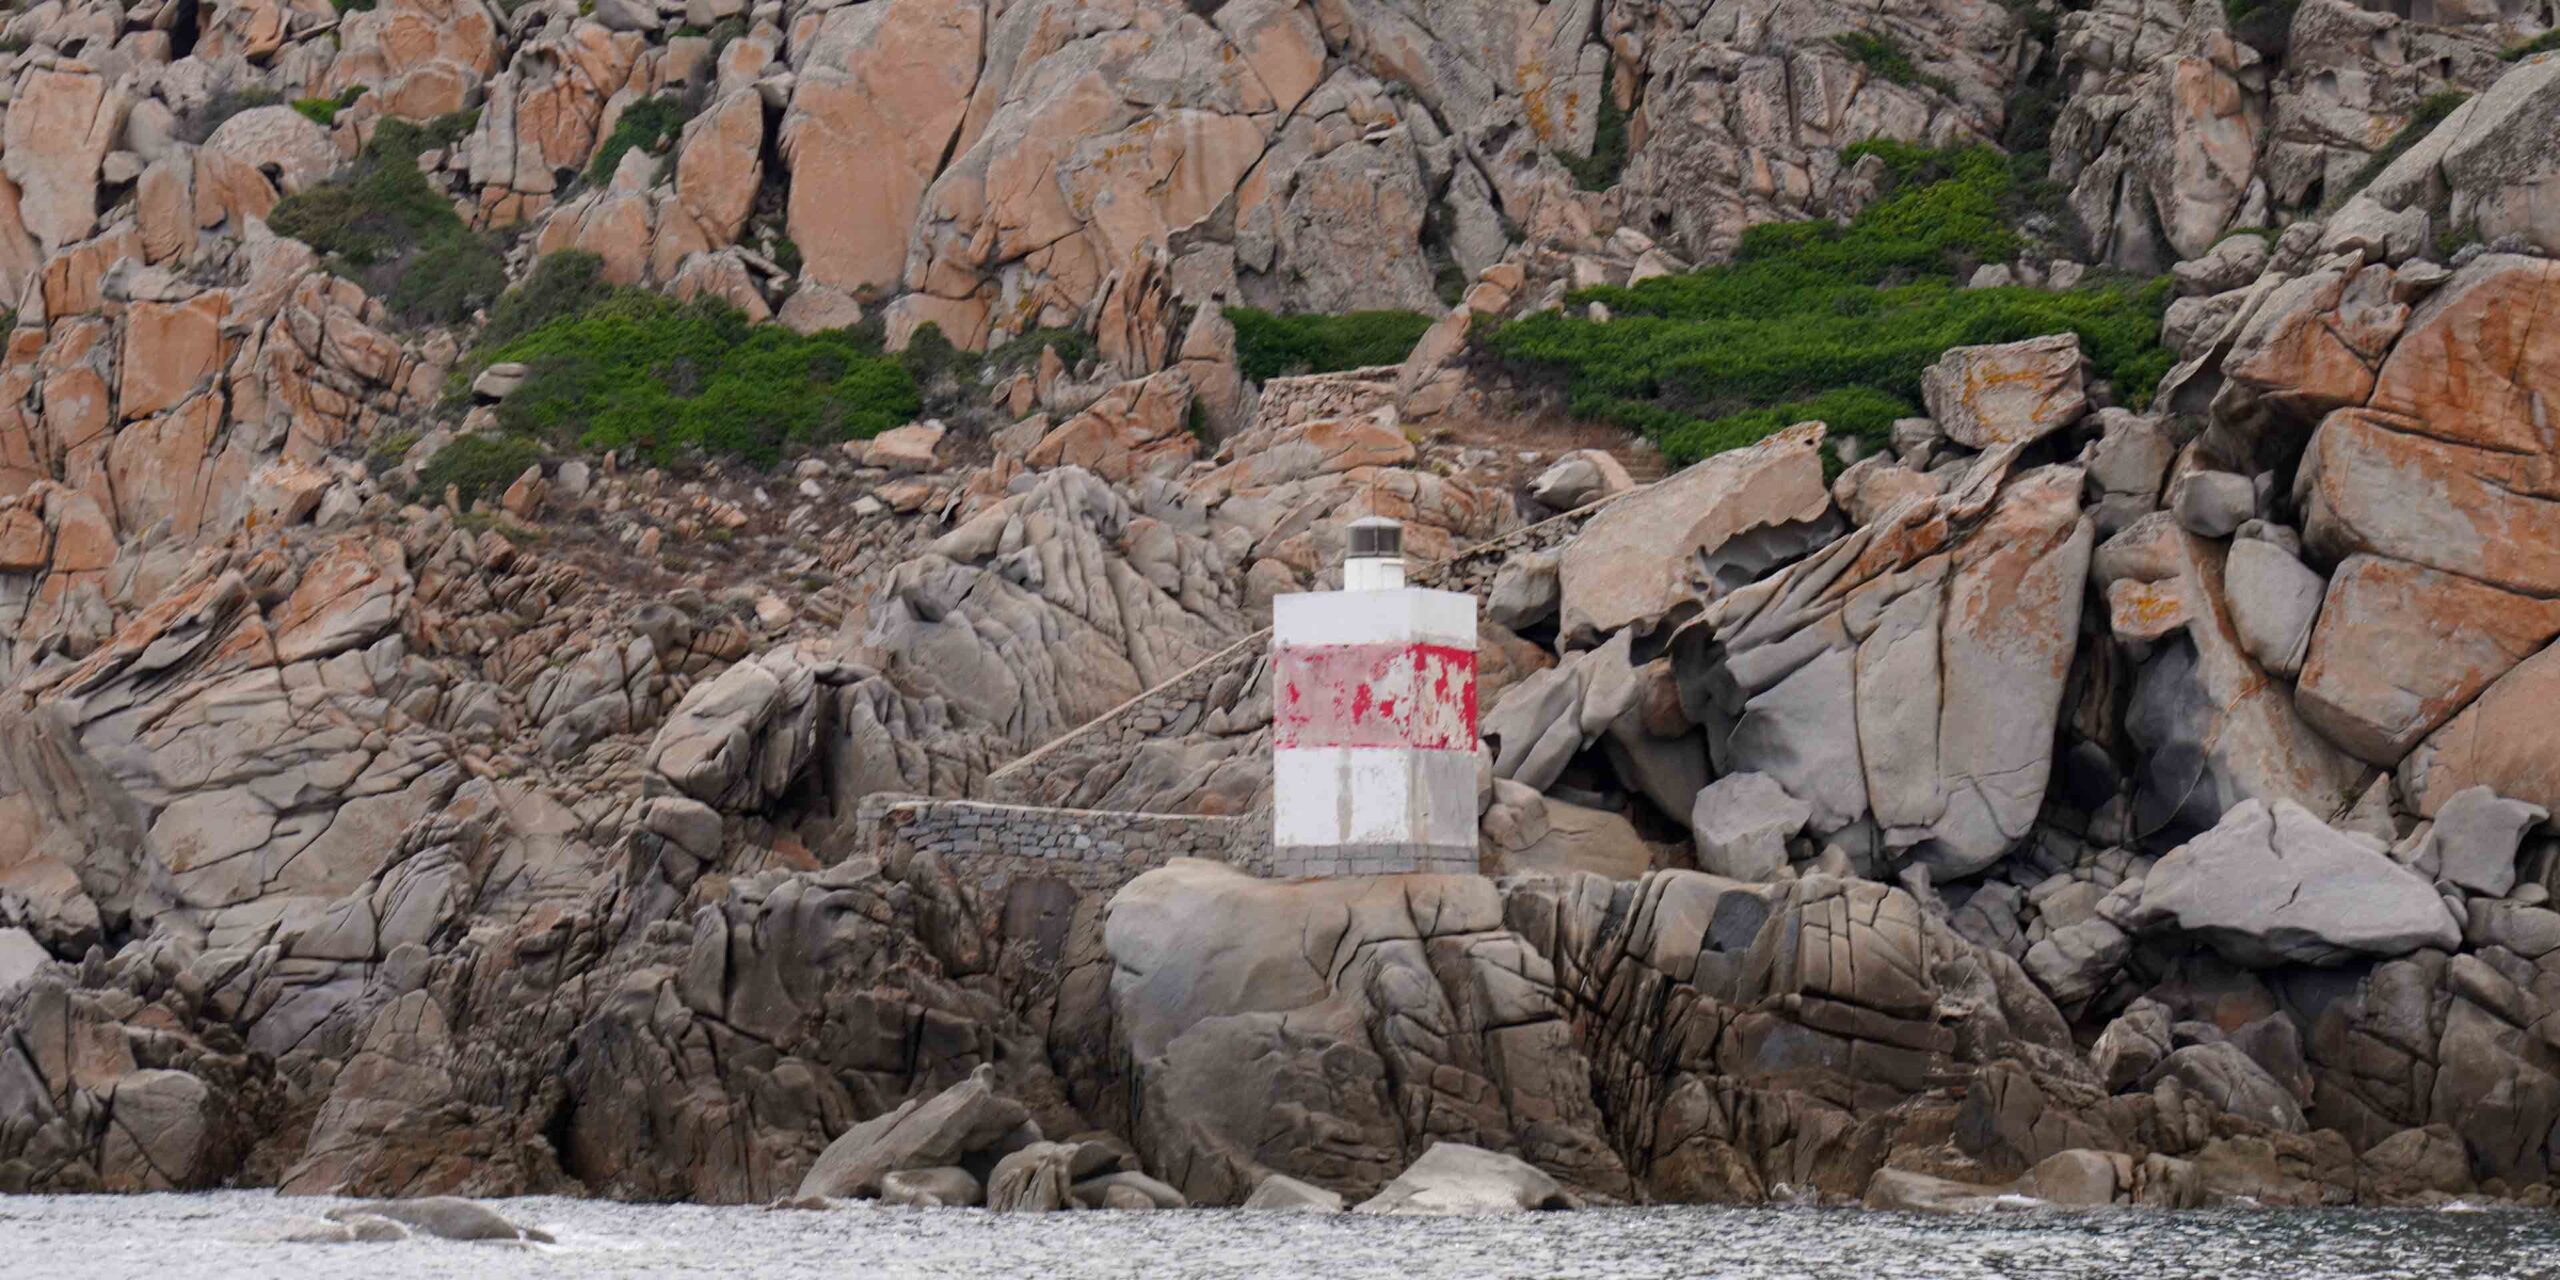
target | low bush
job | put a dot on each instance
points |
(561, 284)
(324, 111)
(1883, 56)
(476, 466)
(1270, 346)
(1820, 320)
(1599, 170)
(2544, 43)
(2431, 112)
(640, 370)
(382, 225)
(649, 124)
(1023, 353)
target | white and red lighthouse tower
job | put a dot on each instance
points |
(1373, 721)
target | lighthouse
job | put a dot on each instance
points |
(1373, 721)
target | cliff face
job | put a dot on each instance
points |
(2169, 781)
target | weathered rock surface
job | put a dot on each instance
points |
(2275, 885)
(1721, 523)
(1219, 1000)
(2015, 393)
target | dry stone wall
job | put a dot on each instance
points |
(1094, 851)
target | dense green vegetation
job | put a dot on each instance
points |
(630, 368)
(2431, 112)
(381, 224)
(1820, 320)
(1880, 54)
(649, 124)
(2544, 43)
(1270, 346)
(476, 466)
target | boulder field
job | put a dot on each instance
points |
(2054, 797)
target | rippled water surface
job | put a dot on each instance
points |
(240, 1233)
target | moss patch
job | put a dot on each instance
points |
(1820, 320)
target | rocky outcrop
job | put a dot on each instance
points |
(2062, 797)
(1225, 1008)
(1902, 681)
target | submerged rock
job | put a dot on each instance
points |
(1455, 1179)
(443, 1217)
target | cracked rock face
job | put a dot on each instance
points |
(2275, 885)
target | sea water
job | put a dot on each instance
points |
(243, 1233)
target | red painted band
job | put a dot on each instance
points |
(1397, 694)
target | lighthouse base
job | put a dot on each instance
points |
(1356, 811)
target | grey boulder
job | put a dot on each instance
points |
(943, 1186)
(2274, 598)
(2274, 885)
(1742, 823)
(1281, 1193)
(2472, 845)
(444, 1217)
(922, 1134)
(1454, 1179)
(20, 956)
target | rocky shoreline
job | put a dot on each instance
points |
(2052, 797)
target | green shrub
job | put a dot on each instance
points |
(2544, 43)
(722, 33)
(477, 466)
(2263, 25)
(649, 124)
(388, 452)
(1599, 170)
(561, 284)
(1270, 346)
(1883, 56)
(640, 370)
(381, 224)
(324, 111)
(1818, 320)
(2431, 111)
(1022, 353)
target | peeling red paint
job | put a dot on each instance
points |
(1416, 696)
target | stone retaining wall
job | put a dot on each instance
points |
(1092, 850)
